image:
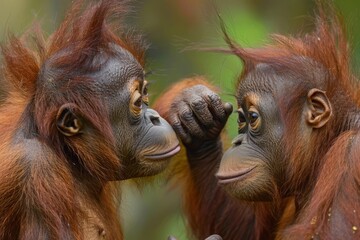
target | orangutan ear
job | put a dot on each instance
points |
(318, 109)
(67, 122)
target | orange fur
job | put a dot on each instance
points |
(40, 198)
(208, 208)
(324, 165)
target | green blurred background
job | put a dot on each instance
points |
(154, 212)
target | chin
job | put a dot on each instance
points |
(250, 187)
(247, 192)
(154, 167)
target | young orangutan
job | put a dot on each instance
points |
(76, 117)
(298, 141)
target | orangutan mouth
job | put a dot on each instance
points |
(224, 179)
(164, 155)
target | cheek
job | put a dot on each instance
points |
(259, 185)
(272, 141)
(275, 151)
(128, 137)
(274, 145)
(245, 172)
(125, 132)
(119, 113)
(119, 108)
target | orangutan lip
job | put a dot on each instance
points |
(164, 155)
(234, 177)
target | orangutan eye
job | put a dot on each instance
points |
(145, 93)
(254, 118)
(241, 120)
(136, 103)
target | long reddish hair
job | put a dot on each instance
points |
(39, 194)
(326, 178)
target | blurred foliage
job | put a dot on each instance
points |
(171, 26)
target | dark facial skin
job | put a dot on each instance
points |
(143, 137)
(144, 140)
(255, 167)
(249, 169)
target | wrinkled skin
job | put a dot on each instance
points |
(198, 117)
(144, 140)
(75, 119)
(251, 169)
